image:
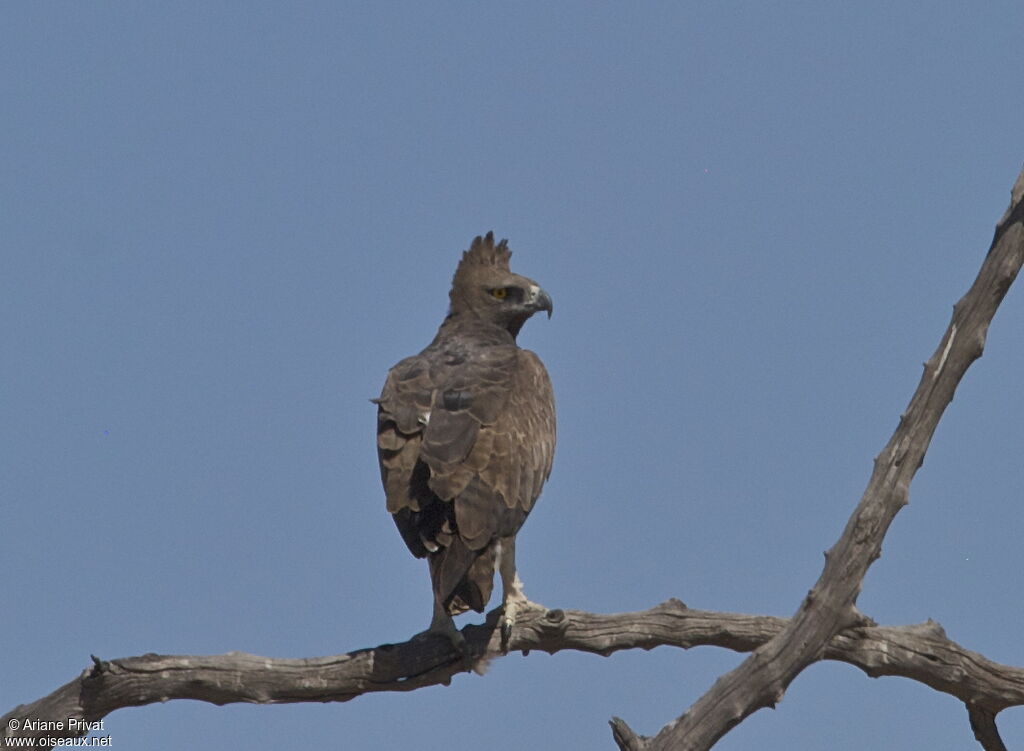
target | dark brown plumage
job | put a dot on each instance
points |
(466, 435)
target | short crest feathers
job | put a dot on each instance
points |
(482, 253)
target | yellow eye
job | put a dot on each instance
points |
(499, 293)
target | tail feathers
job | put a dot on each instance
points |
(463, 578)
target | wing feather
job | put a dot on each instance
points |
(512, 457)
(465, 444)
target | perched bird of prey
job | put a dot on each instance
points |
(465, 438)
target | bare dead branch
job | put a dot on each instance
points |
(624, 736)
(761, 679)
(827, 625)
(983, 723)
(921, 652)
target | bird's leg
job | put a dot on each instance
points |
(513, 599)
(442, 623)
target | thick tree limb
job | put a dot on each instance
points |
(761, 679)
(921, 652)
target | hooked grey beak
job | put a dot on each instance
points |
(540, 300)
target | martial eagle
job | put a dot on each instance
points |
(465, 438)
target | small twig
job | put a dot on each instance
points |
(624, 736)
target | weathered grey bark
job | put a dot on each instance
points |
(827, 625)
(760, 680)
(920, 652)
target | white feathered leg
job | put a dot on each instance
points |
(512, 598)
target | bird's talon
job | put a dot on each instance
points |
(454, 637)
(506, 634)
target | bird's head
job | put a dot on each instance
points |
(485, 288)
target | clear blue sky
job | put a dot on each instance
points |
(221, 223)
